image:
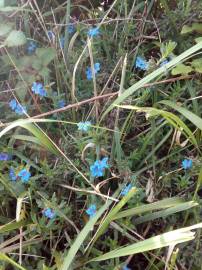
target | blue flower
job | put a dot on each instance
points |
(61, 103)
(51, 35)
(18, 108)
(126, 189)
(93, 32)
(49, 213)
(31, 47)
(4, 157)
(12, 174)
(91, 211)
(71, 29)
(13, 104)
(38, 89)
(89, 74)
(84, 126)
(141, 63)
(126, 268)
(24, 174)
(98, 167)
(97, 67)
(187, 164)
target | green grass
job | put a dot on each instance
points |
(146, 120)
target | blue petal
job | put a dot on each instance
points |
(13, 104)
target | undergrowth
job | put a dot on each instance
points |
(100, 152)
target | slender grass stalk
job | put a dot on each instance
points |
(66, 45)
(94, 80)
(121, 90)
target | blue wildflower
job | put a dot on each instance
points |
(49, 213)
(20, 109)
(89, 74)
(71, 29)
(93, 32)
(51, 35)
(61, 103)
(4, 157)
(126, 189)
(126, 268)
(31, 47)
(24, 174)
(13, 104)
(12, 174)
(38, 89)
(91, 211)
(97, 67)
(187, 164)
(84, 126)
(141, 63)
(98, 167)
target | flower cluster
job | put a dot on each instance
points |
(187, 164)
(16, 107)
(141, 64)
(38, 89)
(4, 157)
(49, 213)
(93, 32)
(126, 189)
(23, 174)
(89, 73)
(31, 47)
(91, 211)
(84, 126)
(97, 169)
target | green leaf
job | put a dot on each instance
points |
(199, 39)
(165, 203)
(15, 38)
(196, 27)
(44, 72)
(181, 69)
(5, 258)
(192, 117)
(167, 49)
(36, 131)
(37, 64)
(13, 226)
(46, 55)
(167, 212)
(21, 90)
(197, 65)
(5, 29)
(163, 240)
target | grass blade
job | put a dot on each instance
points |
(163, 240)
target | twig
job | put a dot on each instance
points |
(87, 101)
